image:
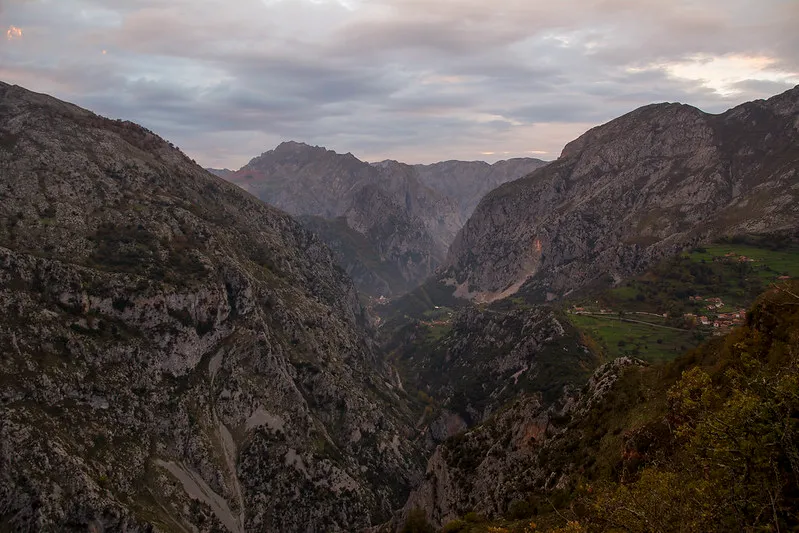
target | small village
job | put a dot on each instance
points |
(721, 321)
(711, 318)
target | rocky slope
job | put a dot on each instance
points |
(467, 182)
(358, 257)
(425, 206)
(629, 192)
(502, 461)
(639, 447)
(174, 354)
(380, 247)
(408, 226)
(474, 361)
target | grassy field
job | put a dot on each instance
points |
(650, 343)
(768, 264)
(714, 271)
(672, 288)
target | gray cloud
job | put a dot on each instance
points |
(407, 79)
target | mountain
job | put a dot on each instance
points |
(407, 226)
(629, 192)
(175, 354)
(466, 182)
(221, 172)
(640, 447)
(305, 180)
(408, 214)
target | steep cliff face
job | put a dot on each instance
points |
(629, 192)
(175, 354)
(466, 182)
(489, 467)
(474, 361)
(438, 211)
(407, 225)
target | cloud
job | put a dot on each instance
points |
(13, 33)
(415, 80)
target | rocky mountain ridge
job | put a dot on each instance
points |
(631, 191)
(467, 182)
(221, 172)
(176, 355)
(408, 222)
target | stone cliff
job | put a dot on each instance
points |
(176, 355)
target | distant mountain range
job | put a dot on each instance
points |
(389, 224)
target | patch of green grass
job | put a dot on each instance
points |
(651, 343)
(711, 271)
(437, 332)
(767, 263)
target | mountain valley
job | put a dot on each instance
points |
(173, 350)
(389, 224)
(607, 342)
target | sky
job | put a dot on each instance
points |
(414, 80)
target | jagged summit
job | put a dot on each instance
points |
(297, 153)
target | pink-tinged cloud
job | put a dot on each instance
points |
(415, 80)
(13, 33)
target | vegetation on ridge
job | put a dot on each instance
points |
(708, 442)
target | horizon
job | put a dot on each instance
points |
(408, 80)
(376, 162)
(489, 161)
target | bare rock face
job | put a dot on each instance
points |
(408, 215)
(406, 226)
(624, 194)
(498, 462)
(467, 182)
(174, 354)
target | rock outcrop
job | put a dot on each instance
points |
(627, 193)
(174, 354)
(488, 468)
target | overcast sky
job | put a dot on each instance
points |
(414, 80)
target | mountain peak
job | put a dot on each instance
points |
(646, 184)
(650, 123)
(294, 145)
